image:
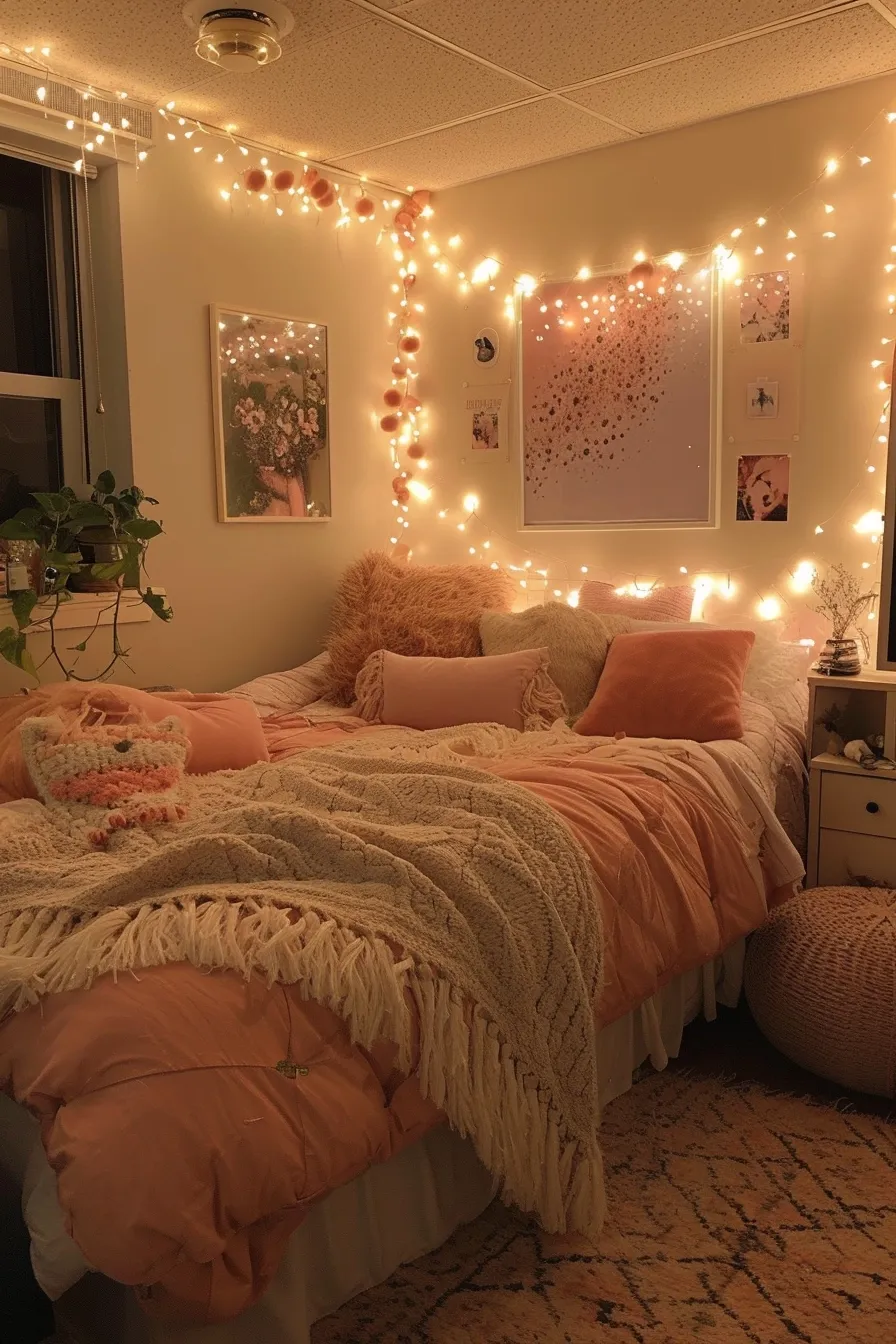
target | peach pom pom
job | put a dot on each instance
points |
(318, 188)
(416, 451)
(642, 274)
(402, 496)
(412, 403)
(390, 423)
(255, 179)
(392, 397)
(309, 177)
(328, 199)
(399, 368)
(284, 180)
(364, 208)
(400, 482)
(409, 344)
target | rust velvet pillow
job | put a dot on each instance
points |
(673, 684)
(421, 611)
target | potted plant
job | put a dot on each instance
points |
(66, 534)
(839, 598)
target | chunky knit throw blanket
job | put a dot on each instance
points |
(424, 901)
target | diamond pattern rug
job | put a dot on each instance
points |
(737, 1216)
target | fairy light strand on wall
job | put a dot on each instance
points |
(291, 185)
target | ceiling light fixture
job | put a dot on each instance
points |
(238, 38)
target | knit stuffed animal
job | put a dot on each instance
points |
(101, 777)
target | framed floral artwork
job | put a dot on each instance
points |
(271, 418)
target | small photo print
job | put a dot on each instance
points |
(486, 430)
(765, 307)
(762, 400)
(763, 489)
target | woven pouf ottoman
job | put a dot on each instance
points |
(820, 980)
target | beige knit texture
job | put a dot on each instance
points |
(413, 895)
(821, 984)
(427, 611)
(577, 643)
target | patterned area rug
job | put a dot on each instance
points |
(736, 1215)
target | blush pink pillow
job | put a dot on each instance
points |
(511, 688)
(673, 684)
(660, 604)
(224, 733)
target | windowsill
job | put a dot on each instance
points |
(84, 611)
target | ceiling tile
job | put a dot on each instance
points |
(146, 48)
(562, 43)
(833, 50)
(497, 143)
(367, 86)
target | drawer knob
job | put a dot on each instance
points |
(872, 807)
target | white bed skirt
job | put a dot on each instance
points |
(361, 1233)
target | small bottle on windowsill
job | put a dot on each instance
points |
(17, 577)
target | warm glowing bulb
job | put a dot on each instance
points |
(486, 270)
(870, 522)
(640, 256)
(864, 159)
(225, 195)
(419, 490)
(526, 284)
(761, 221)
(142, 156)
(40, 94)
(583, 273)
(769, 609)
(736, 233)
(790, 233)
(675, 259)
(471, 503)
(819, 530)
(802, 576)
(831, 166)
(829, 209)
(69, 125)
(573, 598)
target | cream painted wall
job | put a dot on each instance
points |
(685, 190)
(248, 598)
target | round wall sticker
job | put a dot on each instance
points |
(486, 346)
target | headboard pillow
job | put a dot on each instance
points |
(672, 684)
(659, 604)
(576, 641)
(430, 611)
(511, 688)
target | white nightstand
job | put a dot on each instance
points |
(852, 812)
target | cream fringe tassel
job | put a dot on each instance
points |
(463, 1066)
(541, 706)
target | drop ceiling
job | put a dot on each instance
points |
(440, 92)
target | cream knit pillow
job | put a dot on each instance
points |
(576, 641)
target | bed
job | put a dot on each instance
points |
(418, 1189)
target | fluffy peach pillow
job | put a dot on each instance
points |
(672, 684)
(512, 688)
(660, 604)
(420, 611)
(224, 733)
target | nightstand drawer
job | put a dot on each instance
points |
(864, 803)
(843, 858)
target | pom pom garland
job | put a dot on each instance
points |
(365, 208)
(284, 180)
(318, 188)
(392, 397)
(416, 451)
(409, 344)
(390, 423)
(255, 179)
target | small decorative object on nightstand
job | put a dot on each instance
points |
(852, 808)
(838, 597)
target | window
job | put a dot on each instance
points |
(41, 401)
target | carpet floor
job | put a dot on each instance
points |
(737, 1215)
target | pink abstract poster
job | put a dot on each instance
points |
(617, 401)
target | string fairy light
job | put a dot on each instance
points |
(301, 188)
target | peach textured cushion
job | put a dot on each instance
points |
(421, 611)
(674, 684)
(224, 733)
(512, 688)
(660, 604)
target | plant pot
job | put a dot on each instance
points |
(98, 546)
(839, 658)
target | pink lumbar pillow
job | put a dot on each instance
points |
(511, 688)
(674, 684)
(657, 604)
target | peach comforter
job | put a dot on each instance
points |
(185, 1157)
